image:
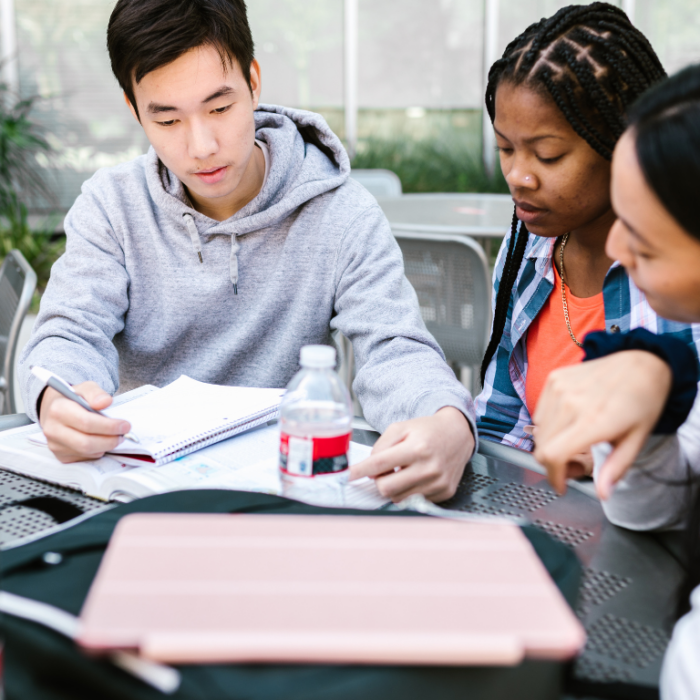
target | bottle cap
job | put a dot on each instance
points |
(317, 356)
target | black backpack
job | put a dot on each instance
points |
(40, 664)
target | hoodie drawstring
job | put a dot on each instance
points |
(197, 245)
(233, 263)
(194, 235)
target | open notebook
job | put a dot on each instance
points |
(187, 415)
(246, 462)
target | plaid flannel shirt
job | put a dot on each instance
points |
(501, 410)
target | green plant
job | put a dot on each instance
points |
(445, 165)
(20, 182)
(20, 141)
(38, 246)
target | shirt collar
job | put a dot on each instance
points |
(541, 247)
(542, 251)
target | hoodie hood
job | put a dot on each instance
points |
(306, 160)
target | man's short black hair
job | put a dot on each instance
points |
(144, 35)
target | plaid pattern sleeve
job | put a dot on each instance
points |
(501, 411)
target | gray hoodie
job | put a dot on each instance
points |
(130, 303)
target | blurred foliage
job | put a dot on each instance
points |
(430, 165)
(20, 141)
(20, 181)
(39, 245)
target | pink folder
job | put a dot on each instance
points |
(185, 588)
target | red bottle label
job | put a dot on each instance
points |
(313, 456)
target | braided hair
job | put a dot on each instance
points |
(593, 63)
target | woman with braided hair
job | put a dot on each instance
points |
(558, 100)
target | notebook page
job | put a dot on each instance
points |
(187, 410)
(36, 435)
(246, 462)
(362, 493)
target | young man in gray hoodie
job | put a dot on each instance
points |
(237, 239)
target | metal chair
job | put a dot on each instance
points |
(451, 278)
(380, 183)
(17, 285)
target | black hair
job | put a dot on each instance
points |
(144, 35)
(665, 125)
(593, 63)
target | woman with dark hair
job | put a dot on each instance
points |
(643, 384)
(558, 100)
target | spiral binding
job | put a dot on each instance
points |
(202, 440)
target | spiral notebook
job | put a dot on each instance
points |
(188, 415)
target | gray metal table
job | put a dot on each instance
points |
(627, 597)
(481, 216)
(630, 578)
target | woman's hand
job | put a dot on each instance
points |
(616, 399)
(424, 455)
(580, 465)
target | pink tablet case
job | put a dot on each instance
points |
(187, 588)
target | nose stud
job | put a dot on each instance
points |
(528, 178)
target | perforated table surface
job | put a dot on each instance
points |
(627, 597)
(20, 522)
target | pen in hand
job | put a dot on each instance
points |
(64, 388)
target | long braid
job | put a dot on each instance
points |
(511, 267)
(594, 64)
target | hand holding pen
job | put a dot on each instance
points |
(75, 429)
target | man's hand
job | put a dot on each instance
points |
(616, 399)
(424, 455)
(74, 434)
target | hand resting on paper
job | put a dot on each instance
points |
(616, 399)
(424, 455)
(74, 434)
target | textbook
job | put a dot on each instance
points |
(245, 462)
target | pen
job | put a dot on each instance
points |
(63, 387)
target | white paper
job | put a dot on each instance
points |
(247, 462)
(188, 410)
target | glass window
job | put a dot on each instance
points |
(420, 53)
(62, 58)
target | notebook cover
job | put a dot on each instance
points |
(186, 588)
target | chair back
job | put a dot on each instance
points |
(380, 183)
(451, 278)
(17, 285)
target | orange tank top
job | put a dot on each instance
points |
(549, 344)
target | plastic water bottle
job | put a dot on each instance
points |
(316, 425)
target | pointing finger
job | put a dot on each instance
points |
(383, 462)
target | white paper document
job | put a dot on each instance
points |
(245, 462)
